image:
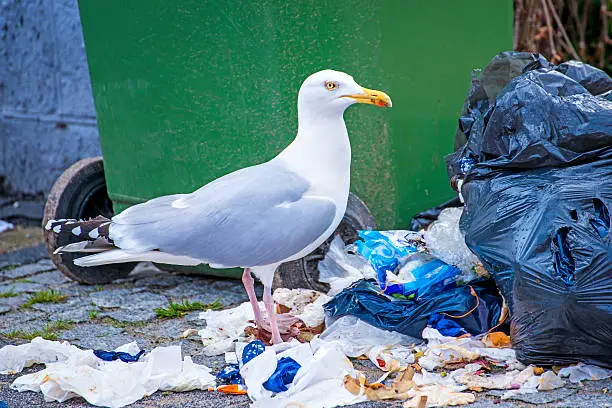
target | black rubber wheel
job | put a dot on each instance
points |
(304, 273)
(80, 193)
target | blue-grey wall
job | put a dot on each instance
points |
(47, 116)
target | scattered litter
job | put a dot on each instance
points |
(5, 226)
(72, 372)
(114, 355)
(399, 389)
(304, 304)
(537, 201)
(439, 396)
(224, 327)
(300, 315)
(354, 337)
(581, 372)
(442, 350)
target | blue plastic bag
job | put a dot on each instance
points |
(230, 375)
(118, 355)
(252, 350)
(284, 374)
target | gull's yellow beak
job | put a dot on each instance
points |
(372, 97)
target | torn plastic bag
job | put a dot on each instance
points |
(230, 374)
(537, 203)
(284, 374)
(364, 300)
(118, 355)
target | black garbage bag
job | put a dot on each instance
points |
(479, 303)
(537, 185)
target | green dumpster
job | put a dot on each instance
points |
(189, 90)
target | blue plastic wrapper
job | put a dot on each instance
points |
(252, 350)
(476, 314)
(387, 251)
(118, 355)
(284, 374)
(230, 375)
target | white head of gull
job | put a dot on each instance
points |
(255, 218)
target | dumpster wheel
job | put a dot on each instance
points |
(80, 193)
(304, 272)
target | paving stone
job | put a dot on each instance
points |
(134, 315)
(96, 336)
(23, 256)
(77, 315)
(20, 320)
(114, 297)
(77, 289)
(586, 400)
(545, 397)
(5, 308)
(12, 302)
(167, 329)
(159, 281)
(26, 270)
(228, 292)
(50, 278)
(22, 287)
(133, 307)
(194, 320)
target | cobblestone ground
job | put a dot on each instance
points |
(107, 316)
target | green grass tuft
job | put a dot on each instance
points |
(93, 314)
(8, 294)
(175, 310)
(48, 332)
(45, 296)
(24, 280)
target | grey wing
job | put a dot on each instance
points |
(255, 216)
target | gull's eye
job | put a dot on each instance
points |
(331, 86)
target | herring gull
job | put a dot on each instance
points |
(254, 218)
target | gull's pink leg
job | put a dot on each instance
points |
(249, 285)
(269, 302)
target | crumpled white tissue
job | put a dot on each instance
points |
(114, 384)
(224, 327)
(319, 383)
(13, 359)
(305, 304)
